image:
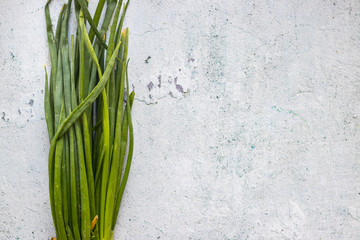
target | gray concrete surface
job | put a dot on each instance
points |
(247, 120)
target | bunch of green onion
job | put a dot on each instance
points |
(87, 110)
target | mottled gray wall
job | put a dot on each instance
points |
(247, 120)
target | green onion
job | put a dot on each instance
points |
(88, 116)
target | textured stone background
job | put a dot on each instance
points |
(247, 120)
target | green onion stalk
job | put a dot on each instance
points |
(88, 114)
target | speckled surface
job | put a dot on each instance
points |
(247, 120)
